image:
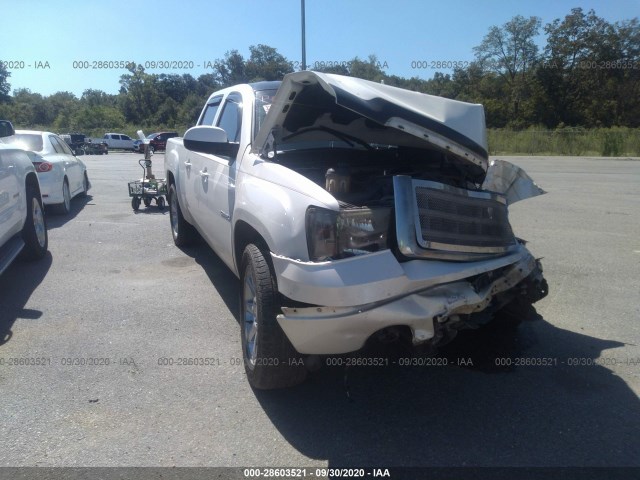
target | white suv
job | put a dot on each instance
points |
(22, 222)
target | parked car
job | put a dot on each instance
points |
(23, 227)
(75, 141)
(95, 147)
(351, 211)
(118, 141)
(158, 141)
(62, 175)
(80, 144)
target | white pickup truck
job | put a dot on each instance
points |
(350, 211)
(22, 222)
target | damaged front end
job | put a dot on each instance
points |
(415, 232)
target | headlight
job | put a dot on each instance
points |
(355, 231)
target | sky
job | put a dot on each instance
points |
(74, 45)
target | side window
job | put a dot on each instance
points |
(210, 111)
(231, 117)
(56, 146)
(106, 137)
(62, 144)
(125, 137)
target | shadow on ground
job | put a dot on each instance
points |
(480, 414)
(481, 409)
(17, 284)
(55, 220)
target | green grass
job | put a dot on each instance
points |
(606, 142)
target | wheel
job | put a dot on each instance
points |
(65, 207)
(270, 360)
(135, 203)
(147, 201)
(160, 203)
(182, 231)
(34, 232)
(106, 152)
(85, 185)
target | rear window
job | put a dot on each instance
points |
(26, 141)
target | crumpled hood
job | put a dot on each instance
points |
(314, 107)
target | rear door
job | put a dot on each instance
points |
(11, 194)
(71, 165)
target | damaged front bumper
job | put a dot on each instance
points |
(359, 296)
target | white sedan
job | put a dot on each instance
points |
(62, 176)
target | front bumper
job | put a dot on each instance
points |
(361, 295)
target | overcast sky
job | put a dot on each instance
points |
(50, 44)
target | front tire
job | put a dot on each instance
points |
(65, 207)
(34, 232)
(270, 360)
(182, 231)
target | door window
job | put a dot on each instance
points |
(231, 117)
(210, 111)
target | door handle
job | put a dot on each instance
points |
(204, 173)
(187, 163)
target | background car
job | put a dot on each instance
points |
(118, 140)
(62, 176)
(158, 141)
(22, 222)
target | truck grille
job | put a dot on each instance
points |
(440, 221)
(457, 221)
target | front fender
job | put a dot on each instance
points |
(276, 213)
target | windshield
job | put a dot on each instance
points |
(25, 141)
(264, 99)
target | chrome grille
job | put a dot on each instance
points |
(458, 220)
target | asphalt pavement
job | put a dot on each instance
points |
(87, 335)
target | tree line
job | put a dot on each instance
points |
(587, 75)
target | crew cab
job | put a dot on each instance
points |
(350, 210)
(22, 221)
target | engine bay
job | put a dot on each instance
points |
(362, 177)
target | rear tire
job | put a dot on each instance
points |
(135, 203)
(182, 231)
(85, 185)
(65, 207)
(270, 360)
(34, 232)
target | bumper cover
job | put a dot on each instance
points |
(361, 295)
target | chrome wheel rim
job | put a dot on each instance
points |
(67, 196)
(250, 318)
(38, 222)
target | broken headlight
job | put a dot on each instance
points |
(350, 232)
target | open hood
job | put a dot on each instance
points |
(312, 107)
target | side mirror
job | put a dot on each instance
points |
(6, 129)
(212, 140)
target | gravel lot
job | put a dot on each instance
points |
(114, 289)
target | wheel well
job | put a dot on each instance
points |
(32, 181)
(170, 179)
(244, 234)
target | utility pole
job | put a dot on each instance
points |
(304, 48)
